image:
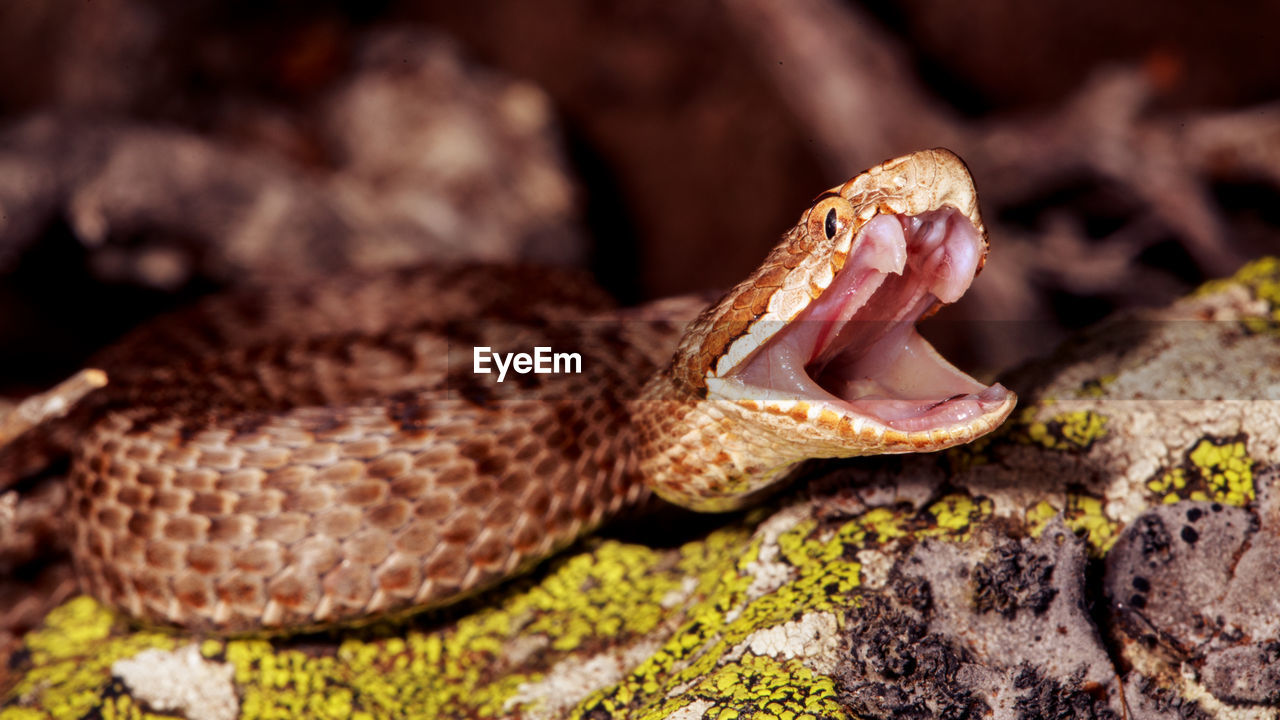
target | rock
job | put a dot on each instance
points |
(1195, 582)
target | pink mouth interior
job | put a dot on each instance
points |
(856, 346)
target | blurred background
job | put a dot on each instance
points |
(152, 152)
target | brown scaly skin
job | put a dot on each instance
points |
(404, 481)
(290, 482)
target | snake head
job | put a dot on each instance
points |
(817, 355)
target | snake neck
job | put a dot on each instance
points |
(693, 452)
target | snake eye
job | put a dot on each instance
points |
(829, 216)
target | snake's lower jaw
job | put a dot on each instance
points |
(851, 373)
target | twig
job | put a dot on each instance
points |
(53, 403)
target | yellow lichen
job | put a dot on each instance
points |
(761, 687)
(956, 514)
(71, 656)
(1262, 279)
(1039, 515)
(21, 713)
(1085, 516)
(583, 602)
(1227, 469)
(1215, 469)
(123, 707)
(1075, 430)
(1168, 482)
(607, 595)
(884, 523)
(1097, 387)
(825, 577)
(598, 585)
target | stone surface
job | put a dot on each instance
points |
(1195, 583)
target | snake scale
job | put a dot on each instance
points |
(314, 455)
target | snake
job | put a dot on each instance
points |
(326, 453)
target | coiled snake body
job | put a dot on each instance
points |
(335, 459)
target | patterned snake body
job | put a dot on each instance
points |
(361, 467)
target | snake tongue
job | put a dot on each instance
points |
(855, 348)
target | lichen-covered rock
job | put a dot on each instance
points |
(1194, 584)
(988, 627)
(954, 585)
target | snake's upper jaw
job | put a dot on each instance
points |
(851, 364)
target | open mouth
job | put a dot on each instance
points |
(855, 348)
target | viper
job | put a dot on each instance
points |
(300, 456)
